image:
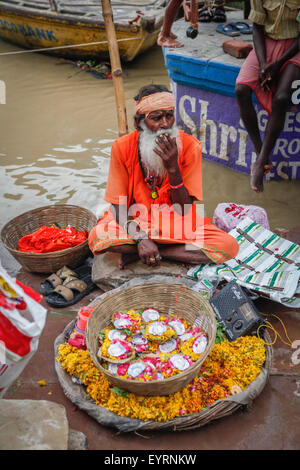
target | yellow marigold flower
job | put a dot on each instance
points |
(229, 365)
(42, 383)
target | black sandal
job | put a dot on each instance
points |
(219, 15)
(205, 15)
(70, 292)
(58, 278)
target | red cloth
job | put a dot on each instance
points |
(250, 70)
(126, 179)
(156, 217)
(48, 239)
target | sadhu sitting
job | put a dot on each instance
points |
(153, 186)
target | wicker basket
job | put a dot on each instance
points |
(63, 214)
(219, 409)
(174, 299)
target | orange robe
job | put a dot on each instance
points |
(155, 216)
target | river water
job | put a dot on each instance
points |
(57, 127)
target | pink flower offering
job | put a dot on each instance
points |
(120, 349)
(130, 321)
(150, 315)
(122, 323)
(181, 362)
(122, 369)
(199, 344)
(178, 326)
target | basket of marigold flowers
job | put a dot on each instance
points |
(151, 339)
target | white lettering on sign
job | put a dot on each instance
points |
(296, 93)
(226, 142)
(262, 118)
(242, 148)
(2, 92)
(226, 132)
(185, 116)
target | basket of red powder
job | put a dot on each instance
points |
(44, 240)
(129, 328)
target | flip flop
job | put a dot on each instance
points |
(243, 27)
(204, 15)
(228, 29)
(69, 293)
(58, 278)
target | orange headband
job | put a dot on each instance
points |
(155, 102)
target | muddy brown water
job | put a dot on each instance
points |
(56, 129)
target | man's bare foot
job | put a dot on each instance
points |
(171, 35)
(257, 175)
(256, 178)
(127, 258)
(168, 41)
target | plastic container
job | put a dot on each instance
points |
(82, 317)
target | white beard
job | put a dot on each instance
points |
(151, 161)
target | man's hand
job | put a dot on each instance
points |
(148, 252)
(264, 80)
(167, 151)
(268, 74)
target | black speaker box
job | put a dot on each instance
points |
(235, 311)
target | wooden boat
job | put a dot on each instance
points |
(75, 28)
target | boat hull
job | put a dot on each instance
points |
(51, 33)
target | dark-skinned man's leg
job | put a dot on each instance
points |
(248, 114)
(166, 38)
(275, 123)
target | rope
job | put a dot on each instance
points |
(65, 47)
(269, 325)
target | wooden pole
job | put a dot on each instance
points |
(116, 68)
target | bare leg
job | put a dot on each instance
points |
(129, 254)
(248, 115)
(249, 118)
(165, 37)
(180, 253)
(275, 124)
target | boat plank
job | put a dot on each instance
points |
(78, 31)
(123, 12)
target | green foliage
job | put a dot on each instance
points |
(220, 335)
(119, 392)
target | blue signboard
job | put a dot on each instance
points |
(214, 119)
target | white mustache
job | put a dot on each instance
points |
(150, 159)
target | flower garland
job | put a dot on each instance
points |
(229, 367)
